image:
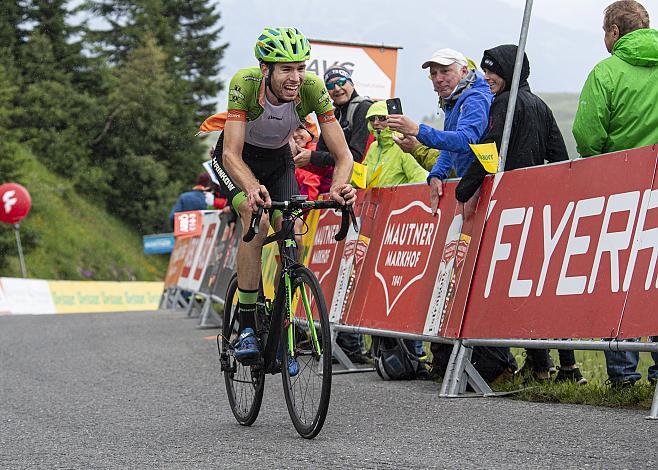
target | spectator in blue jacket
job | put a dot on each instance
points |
(195, 200)
(465, 98)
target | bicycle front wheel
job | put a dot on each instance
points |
(306, 338)
(244, 384)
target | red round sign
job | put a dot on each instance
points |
(15, 203)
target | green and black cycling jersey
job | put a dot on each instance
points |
(268, 125)
(268, 130)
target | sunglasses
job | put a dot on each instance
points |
(377, 118)
(340, 82)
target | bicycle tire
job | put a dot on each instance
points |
(314, 366)
(244, 384)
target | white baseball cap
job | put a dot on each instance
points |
(446, 56)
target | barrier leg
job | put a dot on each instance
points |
(460, 373)
(342, 358)
(653, 414)
(476, 381)
(192, 307)
(165, 299)
(448, 377)
(208, 317)
(173, 299)
(179, 301)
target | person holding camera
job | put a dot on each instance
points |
(465, 99)
(387, 163)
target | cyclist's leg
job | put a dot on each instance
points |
(248, 262)
(282, 185)
(299, 229)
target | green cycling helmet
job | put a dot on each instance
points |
(282, 45)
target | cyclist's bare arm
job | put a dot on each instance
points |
(334, 137)
(257, 195)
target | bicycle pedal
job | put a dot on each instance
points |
(255, 361)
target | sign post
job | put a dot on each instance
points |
(17, 231)
(15, 204)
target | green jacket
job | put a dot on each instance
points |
(617, 108)
(398, 167)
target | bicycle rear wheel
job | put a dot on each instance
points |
(307, 393)
(244, 384)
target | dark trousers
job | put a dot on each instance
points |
(350, 343)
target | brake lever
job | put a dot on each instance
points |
(254, 226)
(355, 224)
(346, 214)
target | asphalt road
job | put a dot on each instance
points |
(143, 390)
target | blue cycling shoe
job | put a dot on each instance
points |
(293, 366)
(246, 350)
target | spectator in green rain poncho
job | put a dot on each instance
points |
(387, 163)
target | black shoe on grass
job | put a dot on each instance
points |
(620, 384)
(571, 375)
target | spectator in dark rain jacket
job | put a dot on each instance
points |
(535, 136)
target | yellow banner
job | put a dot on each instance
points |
(359, 175)
(270, 254)
(269, 264)
(91, 296)
(488, 156)
(309, 234)
(374, 179)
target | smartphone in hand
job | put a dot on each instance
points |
(394, 106)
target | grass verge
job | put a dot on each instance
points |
(596, 392)
(639, 396)
(68, 237)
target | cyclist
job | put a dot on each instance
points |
(253, 159)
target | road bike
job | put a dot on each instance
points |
(294, 325)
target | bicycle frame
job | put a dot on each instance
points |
(283, 300)
(290, 211)
(279, 328)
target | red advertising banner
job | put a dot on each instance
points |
(197, 257)
(640, 279)
(188, 224)
(206, 245)
(188, 262)
(226, 259)
(176, 262)
(356, 246)
(559, 251)
(555, 250)
(458, 263)
(405, 247)
(325, 253)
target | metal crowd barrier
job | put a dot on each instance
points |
(473, 280)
